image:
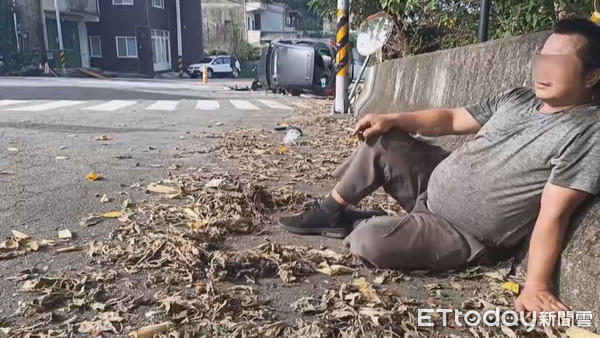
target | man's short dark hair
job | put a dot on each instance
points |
(590, 53)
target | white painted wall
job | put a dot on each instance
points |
(84, 44)
(272, 20)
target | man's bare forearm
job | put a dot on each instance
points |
(544, 249)
(435, 122)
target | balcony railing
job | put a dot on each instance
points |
(76, 7)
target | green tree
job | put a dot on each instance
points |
(426, 25)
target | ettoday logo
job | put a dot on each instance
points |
(497, 318)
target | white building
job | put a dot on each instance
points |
(265, 22)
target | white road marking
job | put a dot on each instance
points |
(4, 103)
(274, 104)
(207, 105)
(111, 105)
(49, 105)
(243, 104)
(163, 105)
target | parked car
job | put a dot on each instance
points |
(218, 65)
(299, 66)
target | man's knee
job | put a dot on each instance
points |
(390, 138)
(366, 243)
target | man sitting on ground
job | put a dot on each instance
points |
(534, 160)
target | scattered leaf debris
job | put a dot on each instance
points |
(171, 266)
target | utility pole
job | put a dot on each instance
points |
(14, 10)
(16, 28)
(484, 20)
(342, 56)
(61, 53)
(179, 47)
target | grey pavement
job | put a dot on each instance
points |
(48, 131)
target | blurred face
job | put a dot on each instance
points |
(558, 74)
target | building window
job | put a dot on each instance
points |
(288, 21)
(122, 2)
(158, 3)
(126, 47)
(95, 47)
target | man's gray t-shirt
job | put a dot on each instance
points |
(491, 187)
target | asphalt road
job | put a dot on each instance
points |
(48, 130)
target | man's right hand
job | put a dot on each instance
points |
(373, 124)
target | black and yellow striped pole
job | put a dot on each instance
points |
(63, 58)
(61, 54)
(341, 58)
(180, 66)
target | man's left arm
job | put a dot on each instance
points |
(557, 206)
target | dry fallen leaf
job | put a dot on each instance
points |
(508, 331)
(112, 214)
(20, 235)
(379, 280)
(262, 152)
(282, 150)
(495, 275)
(577, 332)
(93, 176)
(105, 199)
(367, 290)
(69, 249)
(162, 189)
(152, 330)
(103, 138)
(197, 225)
(334, 270)
(65, 234)
(214, 183)
(511, 286)
(191, 213)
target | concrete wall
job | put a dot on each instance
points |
(29, 23)
(222, 23)
(457, 77)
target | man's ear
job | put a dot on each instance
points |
(592, 78)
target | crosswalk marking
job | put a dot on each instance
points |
(207, 105)
(50, 105)
(243, 104)
(111, 105)
(4, 103)
(149, 105)
(163, 105)
(274, 104)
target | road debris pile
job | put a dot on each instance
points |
(169, 267)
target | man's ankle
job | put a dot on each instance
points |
(330, 206)
(338, 198)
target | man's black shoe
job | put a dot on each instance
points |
(353, 217)
(315, 221)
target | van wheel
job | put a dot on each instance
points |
(295, 92)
